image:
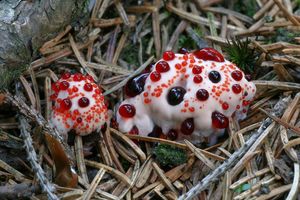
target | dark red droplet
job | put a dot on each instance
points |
(155, 76)
(248, 77)
(225, 106)
(65, 104)
(79, 120)
(198, 79)
(219, 120)
(162, 66)
(175, 95)
(172, 134)
(202, 94)
(236, 88)
(237, 75)
(83, 102)
(156, 132)
(64, 85)
(209, 54)
(127, 110)
(77, 77)
(66, 75)
(134, 131)
(214, 76)
(168, 55)
(53, 96)
(135, 86)
(55, 87)
(89, 77)
(88, 87)
(187, 126)
(197, 69)
(183, 50)
(149, 68)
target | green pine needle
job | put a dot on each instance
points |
(240, 54)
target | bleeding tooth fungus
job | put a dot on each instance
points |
(186, 95)
(79, 104)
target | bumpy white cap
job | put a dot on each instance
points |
(79, 104)
(187, 95)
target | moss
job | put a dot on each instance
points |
(247, 7)
(8, 75)
(169, 156)
(284, 35)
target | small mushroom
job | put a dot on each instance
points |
(79, 104)
(186, 95)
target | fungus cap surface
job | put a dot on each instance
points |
(191, 93)
(79, 105)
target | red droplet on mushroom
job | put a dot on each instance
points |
(248, 77)
(77, 77)
(219, 120)
(89, 77)
(162, 66)
(53, 96)
(127, 110)
(66, 75)
(187, 126)
(149, 68)
(83, 102)
(209, 54)
(155, 76)
(134, 131)
(64, 85)
(88, 87)
(225, 106)
(156, 132)
(183, 50)
(65, 104)
(55, 87)
(175, 95)
(198, 79)
(79, 120)
(135, 86)
(237, 75)
(236, 88)
(172, 134)
(214, 76)
(168, 55)
(202, 94)
(197, 69)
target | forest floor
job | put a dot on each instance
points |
(259, 157)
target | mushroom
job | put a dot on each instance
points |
(187, 95)
(79, 104)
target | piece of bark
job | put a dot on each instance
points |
(18, 191)
(26, 25)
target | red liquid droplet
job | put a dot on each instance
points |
(237, 75)
(66, 75)
(214, 76)
(83, 102)
(79, 120)
(64, 85)
(65, 104)
(134, 131)
(53, 96)
(197, 79)
(88, 87)
(202, 95)
(135, 86)
(236, 88)
(187, 126)
(197, 69)
(127, 110)
(77, 77)
(225, 106)
(168, 55)
(219, 120)
(183, 50)
(162, 66)
(89, 77)
(248, 77)
(209, 54)
(55, 87)
(155, 76)
(172, 134)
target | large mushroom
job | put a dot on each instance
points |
(79, 105)
(187, 95)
